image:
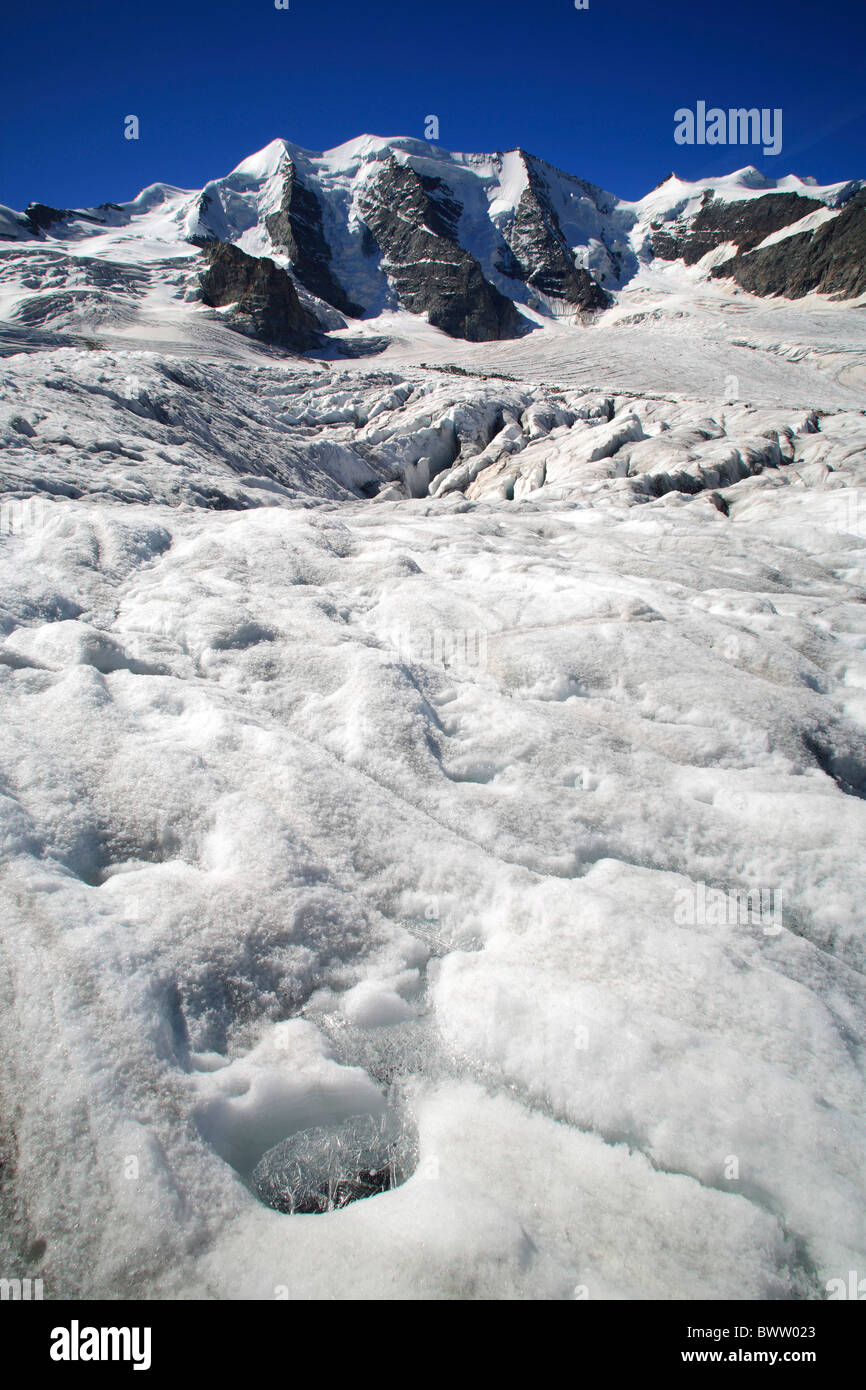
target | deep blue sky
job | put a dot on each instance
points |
(592, 91)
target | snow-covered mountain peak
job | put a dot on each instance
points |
(264, 162)
(479, 246)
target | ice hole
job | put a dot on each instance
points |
(325, 1168)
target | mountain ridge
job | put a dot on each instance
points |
(484, 246)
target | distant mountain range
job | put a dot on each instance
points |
(293, 244)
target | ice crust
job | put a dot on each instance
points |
(271, 845)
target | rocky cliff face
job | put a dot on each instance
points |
(297, 229)
(538, 252)
(830, 259)
(745, 223)
(413, 219)
(263, 297)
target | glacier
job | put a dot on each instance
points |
(365, 723)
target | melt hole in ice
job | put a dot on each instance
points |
(327, 1167)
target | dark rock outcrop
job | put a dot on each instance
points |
(296, 228)
(538, 253)
(203, 206)
(831, 259)
(745, 223)
(39, 216)
(413, 219)
(263, 297)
